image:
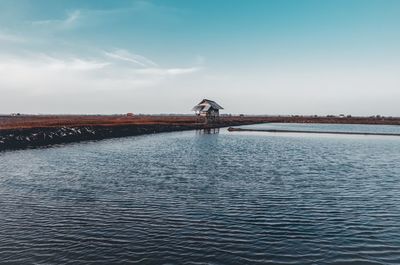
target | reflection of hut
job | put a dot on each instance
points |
(207, 108)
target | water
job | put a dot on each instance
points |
(327, 127)
(190, 198)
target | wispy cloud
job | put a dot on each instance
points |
(68, 22)
(168, 71)
(138, 10)
(69, 64)
(124, 55)
(43, 73)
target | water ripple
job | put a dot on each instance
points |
(185, 198)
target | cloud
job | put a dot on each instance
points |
(67, 23)
(71, 64)
(135, 11)
(170, 71)
(124, 55)
(45, 74)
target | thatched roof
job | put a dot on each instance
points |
(207, 104)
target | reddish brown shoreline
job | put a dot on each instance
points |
(45, 121)
(18, 132)
(26, 131)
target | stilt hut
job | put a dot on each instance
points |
(208, 109)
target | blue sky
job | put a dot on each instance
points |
(256, 57)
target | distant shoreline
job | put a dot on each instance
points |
(232, 129)
(28, 131)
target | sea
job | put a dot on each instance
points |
(206, 197)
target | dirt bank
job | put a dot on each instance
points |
(26, 131)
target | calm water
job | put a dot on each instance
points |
(190, 198)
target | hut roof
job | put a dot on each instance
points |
(207, 104)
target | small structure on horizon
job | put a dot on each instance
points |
(208, 109)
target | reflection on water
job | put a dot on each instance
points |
(195, 198)
(208, 131)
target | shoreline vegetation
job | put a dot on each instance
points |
(29, 131)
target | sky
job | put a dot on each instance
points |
(306, 57)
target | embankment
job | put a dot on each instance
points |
(28, 137)
(33, 137)
(26, 131)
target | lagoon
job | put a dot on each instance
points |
(196, 198)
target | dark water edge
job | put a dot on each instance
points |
(191, 198)
(37, 137)
(19, 139)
